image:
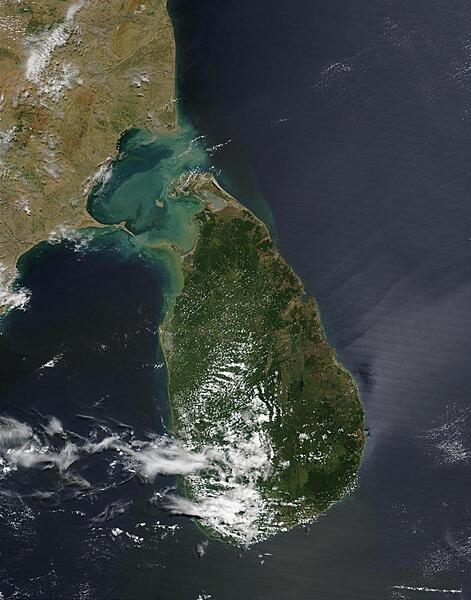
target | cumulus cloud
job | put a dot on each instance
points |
(13, 433)
(33, 455)
(223, 479)
(166, 457)
(44, 45)
(11, 296)
(234, 513)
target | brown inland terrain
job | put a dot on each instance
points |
(74, 76)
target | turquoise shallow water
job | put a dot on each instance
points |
(137, 190)
(354, 120)
(86, 352)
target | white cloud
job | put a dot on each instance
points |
(11, 296)
(43, 45)
(165, 457)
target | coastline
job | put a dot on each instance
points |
(68, 155)
(199, 186)
(300, 306)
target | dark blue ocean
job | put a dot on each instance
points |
(352, 121)
(346, 126)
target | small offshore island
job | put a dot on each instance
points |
(255, 391)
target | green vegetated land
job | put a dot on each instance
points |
(273, 423)
(247, 354)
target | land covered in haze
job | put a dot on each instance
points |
(74, 76)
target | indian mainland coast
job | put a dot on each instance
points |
(253, 385)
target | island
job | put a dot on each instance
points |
(254, 389)
(253, 386)
(252, 376)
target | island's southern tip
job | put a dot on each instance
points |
(253, 380)
(255, 391)
(253, 384)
